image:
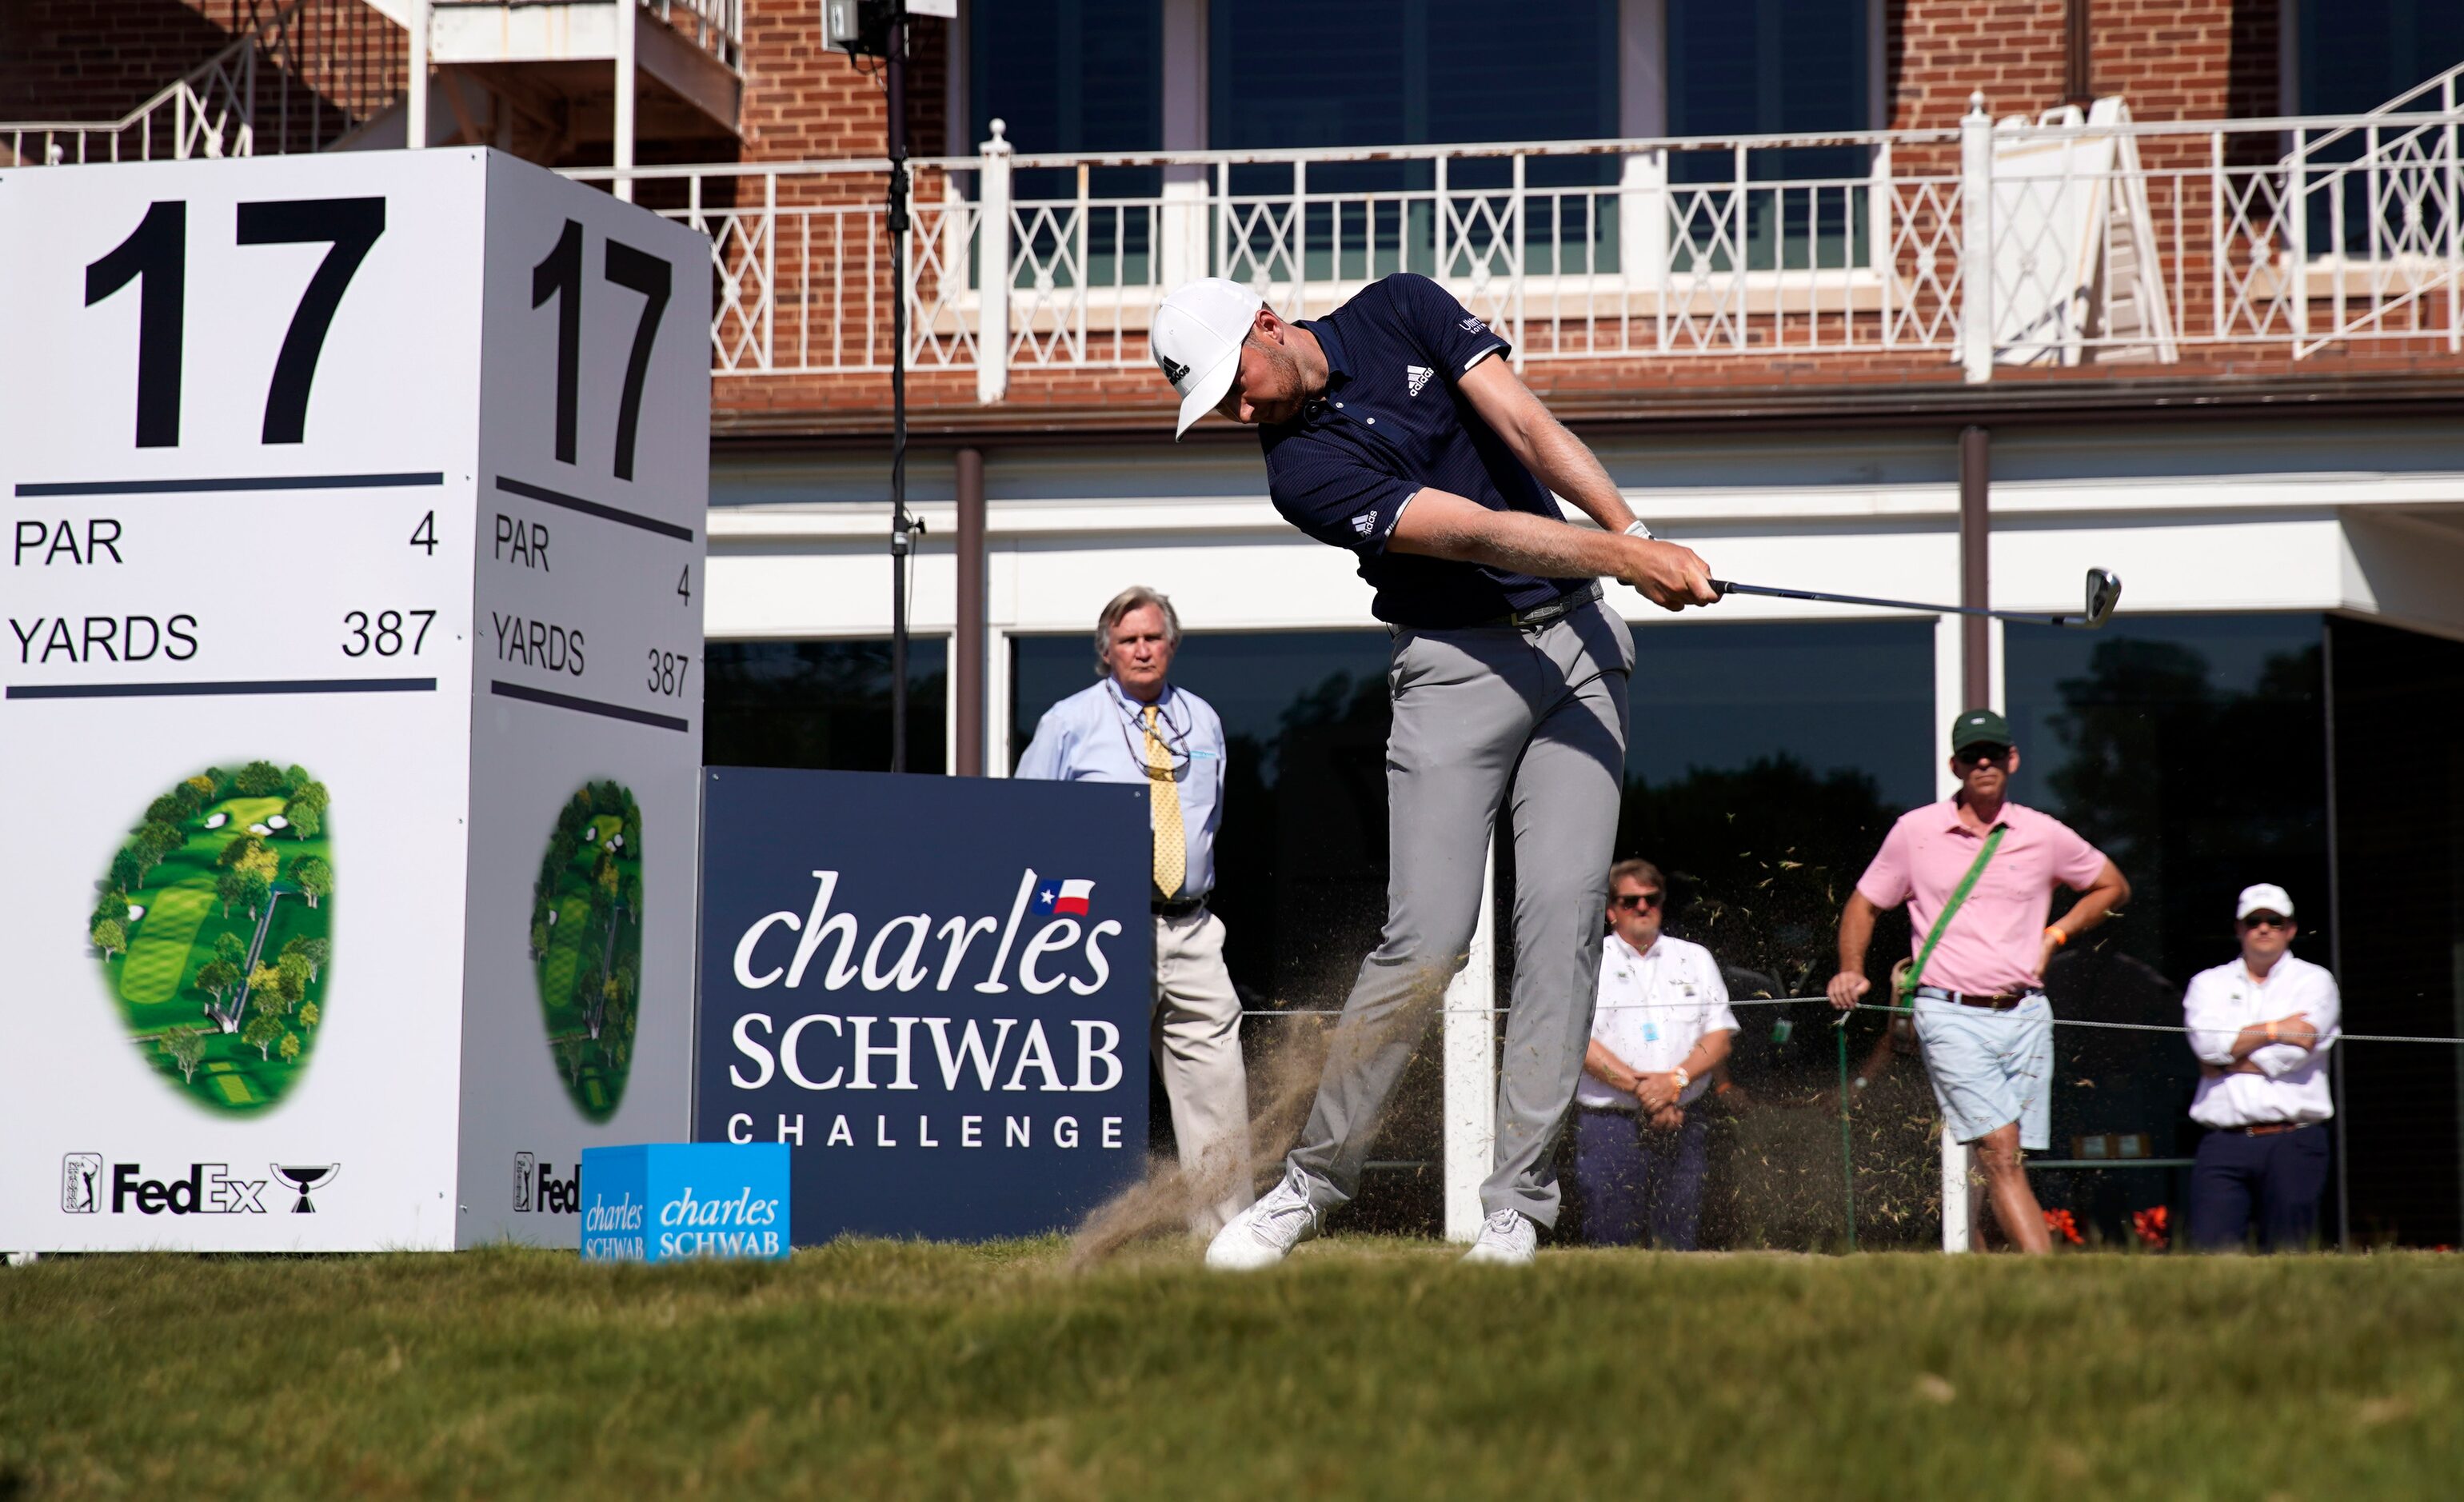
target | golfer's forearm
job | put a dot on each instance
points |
(1567, 466)
(1440, 524)
(1562, 461)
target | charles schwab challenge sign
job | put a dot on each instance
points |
(933, 990)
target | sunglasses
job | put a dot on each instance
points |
(2266, 920)
(1631, 899)
(1980, 755)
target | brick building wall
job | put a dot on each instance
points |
(96, 59)
(2173, 59)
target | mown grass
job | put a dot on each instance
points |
(1364, 1368)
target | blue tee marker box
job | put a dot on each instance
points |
(669, 1202)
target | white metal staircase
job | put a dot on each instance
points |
(293, 77)
(544, 80)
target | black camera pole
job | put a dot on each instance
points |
(901, 539)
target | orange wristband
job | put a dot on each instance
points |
(2054, 931)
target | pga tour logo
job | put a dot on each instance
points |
(538, 1189)
(204, 1189)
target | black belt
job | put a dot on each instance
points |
(1557, 609)
(2268, 1128)
(1177, 906)
(2001, 1002)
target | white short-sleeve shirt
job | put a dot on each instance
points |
(2292, 1085)
(1653, 1008)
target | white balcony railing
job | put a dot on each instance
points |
(2105, 239)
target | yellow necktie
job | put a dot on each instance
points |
(1163, 798)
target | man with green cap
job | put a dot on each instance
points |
(1978, 873)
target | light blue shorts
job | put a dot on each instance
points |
(1989, 1068)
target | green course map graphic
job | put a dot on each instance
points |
(586, 943)
(214, 926)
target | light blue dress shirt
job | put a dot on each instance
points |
(1098, 734)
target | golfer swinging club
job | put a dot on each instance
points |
(1391, 428)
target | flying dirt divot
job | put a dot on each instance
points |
(1160, 1203)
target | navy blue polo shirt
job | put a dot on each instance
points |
(1391, 424)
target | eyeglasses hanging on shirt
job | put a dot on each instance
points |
(1129, 719)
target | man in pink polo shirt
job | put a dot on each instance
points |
(1980, 1002)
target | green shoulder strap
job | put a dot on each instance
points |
(1942, 920)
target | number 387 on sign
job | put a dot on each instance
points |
(386, 633)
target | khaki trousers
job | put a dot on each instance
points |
(1531, 721)
(1197, 1042)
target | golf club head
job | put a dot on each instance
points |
(2104, 589)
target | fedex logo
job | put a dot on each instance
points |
(208, 1189)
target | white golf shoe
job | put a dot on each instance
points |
(1266, 1232)
(1507, 1239)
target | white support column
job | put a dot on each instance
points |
(992, 268)
(1642, 223)
(1181, 253)
(628, 17)
(998, 650)
(1976, 242)
(1958, 1214)
(1468, 1038)
(415, 98)
(1642, 111)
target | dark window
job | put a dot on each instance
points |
(821, 704)
(2153, 738)
(2400, 866)
(1301, 74)
(2357, 56)
(1068, 76)
(2192, 749)
(1074, 75)
(1769, 67)
(1764, 766)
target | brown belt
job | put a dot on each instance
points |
(2272, 1128)
(2002, 1003)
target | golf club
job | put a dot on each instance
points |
(2103, 589)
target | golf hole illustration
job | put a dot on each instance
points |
(585, 943)
(214, 927)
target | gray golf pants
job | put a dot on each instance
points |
(1532, 719)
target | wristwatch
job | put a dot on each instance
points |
(1684, 1079)
(1638, 529)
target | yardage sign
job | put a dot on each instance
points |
(353, 610)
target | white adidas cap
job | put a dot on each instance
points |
(1196, 337)
(2265, 897)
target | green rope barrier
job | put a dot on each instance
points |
(1847, 1138)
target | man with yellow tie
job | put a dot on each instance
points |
(1134, 726)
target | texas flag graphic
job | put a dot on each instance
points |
(1067, 897)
